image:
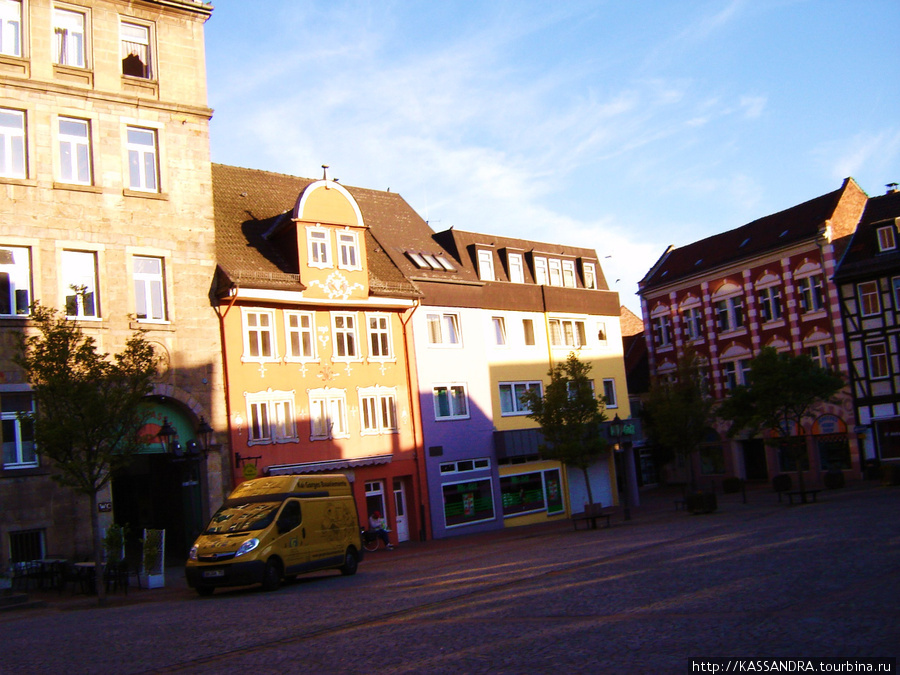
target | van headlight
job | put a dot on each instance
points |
(193, 553)
(247, 546)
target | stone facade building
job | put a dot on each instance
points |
(105, 185)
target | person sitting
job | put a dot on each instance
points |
(376, 525)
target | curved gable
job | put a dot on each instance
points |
(329, 203)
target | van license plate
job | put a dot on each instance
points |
(210, 574)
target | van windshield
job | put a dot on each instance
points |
(246, 517)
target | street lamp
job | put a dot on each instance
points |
(615, 429)
(168, 437)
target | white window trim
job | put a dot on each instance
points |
(478, 464)
(590, 275)
(807, 278)
(499, 336)
(289, 356)
(7, 139)
(13, 416)
(329, 397)
(275, 402)
(448, 386)
(568, 274)
(142, 151)
(576, 334)
(887, 361)
(150, 65)
(66, 289)
(357, 356)
(555, 272)
(328, 263)
(148, 279)
(354, 246)
(860, 296)
(614, 403)
(541, 271)
(246, 330)
(885, 242)
(518, 409)
(516, 268)
(442, 319)
(379, 395)
(19, 30)
(75, 143)
(66, 10)
(388, 331)
(20, 278)
(486, 265)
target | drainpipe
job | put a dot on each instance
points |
(233, 292)
(419, 451)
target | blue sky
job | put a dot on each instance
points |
(621, 126)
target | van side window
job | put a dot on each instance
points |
(290, 516)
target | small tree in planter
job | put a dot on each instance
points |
(114, 543)
(152, 564)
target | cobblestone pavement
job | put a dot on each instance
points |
(755, 580)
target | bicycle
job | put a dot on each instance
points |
(371, 541)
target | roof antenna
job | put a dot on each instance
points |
(324, 172)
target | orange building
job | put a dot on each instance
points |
(315, 332)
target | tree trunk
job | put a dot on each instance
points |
(99, 574)
(587, 482)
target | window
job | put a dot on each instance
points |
(516, 268)
(443, 329)
(465, 465)
(886, 239)
(601, 332)
(531, 492)
(736, 373)
(568, 270)
(729, 314)
(136, 52)
(869, 304)
(567, 333)
(142, 160)
(378, 409)
(590, 275)
(15, 281)
(555, 272)
(18, 433)
(12, 143)
(344, 326)
(348, 251)
(820, 354)
(11, 27)
(499, 326)
(541, 276)
(259, 335)
(609, 393)
(510, 397)
(878, 361)
(450, 402)
(319, 242)
(468, 502)
(271, 415)
(27, 545)
(380, 336)
(328, 414)
(895, 282)
(149, 289)
(693, 323)
(446, 264)
(528, 329)
(486, 265)
(69, 40)
(74, 151)
(79, 275)
(300, 335)
(662, 330)
(770, 304)
(812, 296)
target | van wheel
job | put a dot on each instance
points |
(271, 576)
(205, 591)
(351, 562)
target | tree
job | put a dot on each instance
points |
(678, 413)
(89, 407)
(781, 392)
(570, 417)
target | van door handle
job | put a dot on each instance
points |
(303, 529)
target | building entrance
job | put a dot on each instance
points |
(755, 465)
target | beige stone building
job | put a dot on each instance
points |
(105, 184)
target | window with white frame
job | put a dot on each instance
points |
(516, 268)
(300, 336)
(511, 402)
(769, 300)
(590, 275)
(15, 281)
(11, 27)
(378, 410)
(443, 329)
(485, 265)
(568, 273)
(528, 330)
(820, 354)
(609, 393)
(328, 414)
(877, 357)
(869, 302)
(79, 279)
(343, 327)
(318, 241)
(259, 335)
(12, 143)
(18, 430)
(567, 333)
(555, 272)
(662, 330)
(811, 292)
(887, 240)
(348, 251)
(693, 323)
(498, 325)
(729, 314)
(69, 38)
(465, 465)
(541, 274)
(736, 373)
(74, 151)
(380, 336)
(450, 402)
(271, 417)
(136, 50)
(143, 159)
(601, 332)
(149, 288)
(895, 283)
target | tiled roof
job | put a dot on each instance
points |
(248, 203)
(796, 224)
(863, 257)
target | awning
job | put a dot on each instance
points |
(335, 465)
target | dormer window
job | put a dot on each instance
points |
(485, 265)
(540, 271)
(590, 276)
(887, 240)
(568, 273)
(348, 251)
(319, 243)
(555, 272)
(516, 268)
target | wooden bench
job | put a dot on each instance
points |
(801, 495)
(591, 513)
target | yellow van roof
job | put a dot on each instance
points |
(333, 484)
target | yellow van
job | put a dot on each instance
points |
(274, 528)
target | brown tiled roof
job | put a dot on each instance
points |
(863, 257)
(630, 322)
(796, 224)
(249, 203)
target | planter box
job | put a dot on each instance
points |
(153, 580)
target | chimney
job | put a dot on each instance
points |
(891, 188)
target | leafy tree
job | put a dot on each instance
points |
(90, 407)
(677, 413)
(570, 417)
(781, 392)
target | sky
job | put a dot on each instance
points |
(625, 127)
